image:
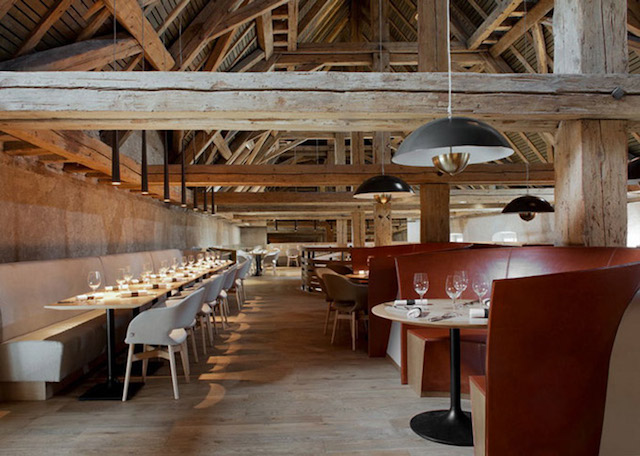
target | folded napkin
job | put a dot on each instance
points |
(410, 302)
(135, 281)
(134, 294)
(478, 313)
(156, 286)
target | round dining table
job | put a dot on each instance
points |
(452, 426)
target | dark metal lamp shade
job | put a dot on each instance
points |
(382, 188)
(527, 207)
(633, 170)
(452, 144)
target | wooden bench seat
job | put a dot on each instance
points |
(428, 359)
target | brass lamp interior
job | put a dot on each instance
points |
(452, 163)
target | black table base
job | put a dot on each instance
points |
(453, 426)
(444, 426)
(110, 391)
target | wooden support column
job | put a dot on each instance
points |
(358, 228)
(383, 234)
(340, 158)
(432, 35)
(342, 237)
(357, 148)
(591, 155)
(381, 147)
(434, 213)
(591, 183)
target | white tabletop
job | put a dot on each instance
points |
(435, 308)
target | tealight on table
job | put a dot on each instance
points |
(452, 426)
(110, 302)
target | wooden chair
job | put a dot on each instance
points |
(350, 302)
(320, 272)
(293, 256)
(162, 327)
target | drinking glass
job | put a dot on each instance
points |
(94, 279)
(452, 290)
(191, 259)
(174, 263)
(121, 279)
(480, 287)
(421, 283)
(200, 257)
(164, 267)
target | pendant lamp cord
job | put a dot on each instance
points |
(142, 26)
(449, 108)
(384, 146)
(115, 31)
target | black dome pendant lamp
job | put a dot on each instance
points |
(383, 188)
(452, 143)
(527, 206)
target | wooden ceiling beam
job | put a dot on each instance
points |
(155, 100)
(323, 175)
(501, 11)
(535, 15)
(82, 56)
(131, 16)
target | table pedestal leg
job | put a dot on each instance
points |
(112, 388)
(453, 426)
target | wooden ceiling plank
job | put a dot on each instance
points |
(501, 12)
(52, 16)
(5, 6)
(173, 16)
(131, 16)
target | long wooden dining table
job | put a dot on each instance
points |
(110, 301)
(452, 426)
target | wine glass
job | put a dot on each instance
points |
(164, 266)
(120, 279)
(421, 283)
(191, 260)
(128, 275)
(200, 257)
(452, 291)
(94, 279)
(146, 272)
(463, 281)
(174, 263)
(480, 287)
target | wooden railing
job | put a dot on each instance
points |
(321, 257)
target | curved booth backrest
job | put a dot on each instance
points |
(501, 263)
(112, 263)
(168, 255)
(548, 360)
(28, 286)
(383, 285)
(360, 255)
